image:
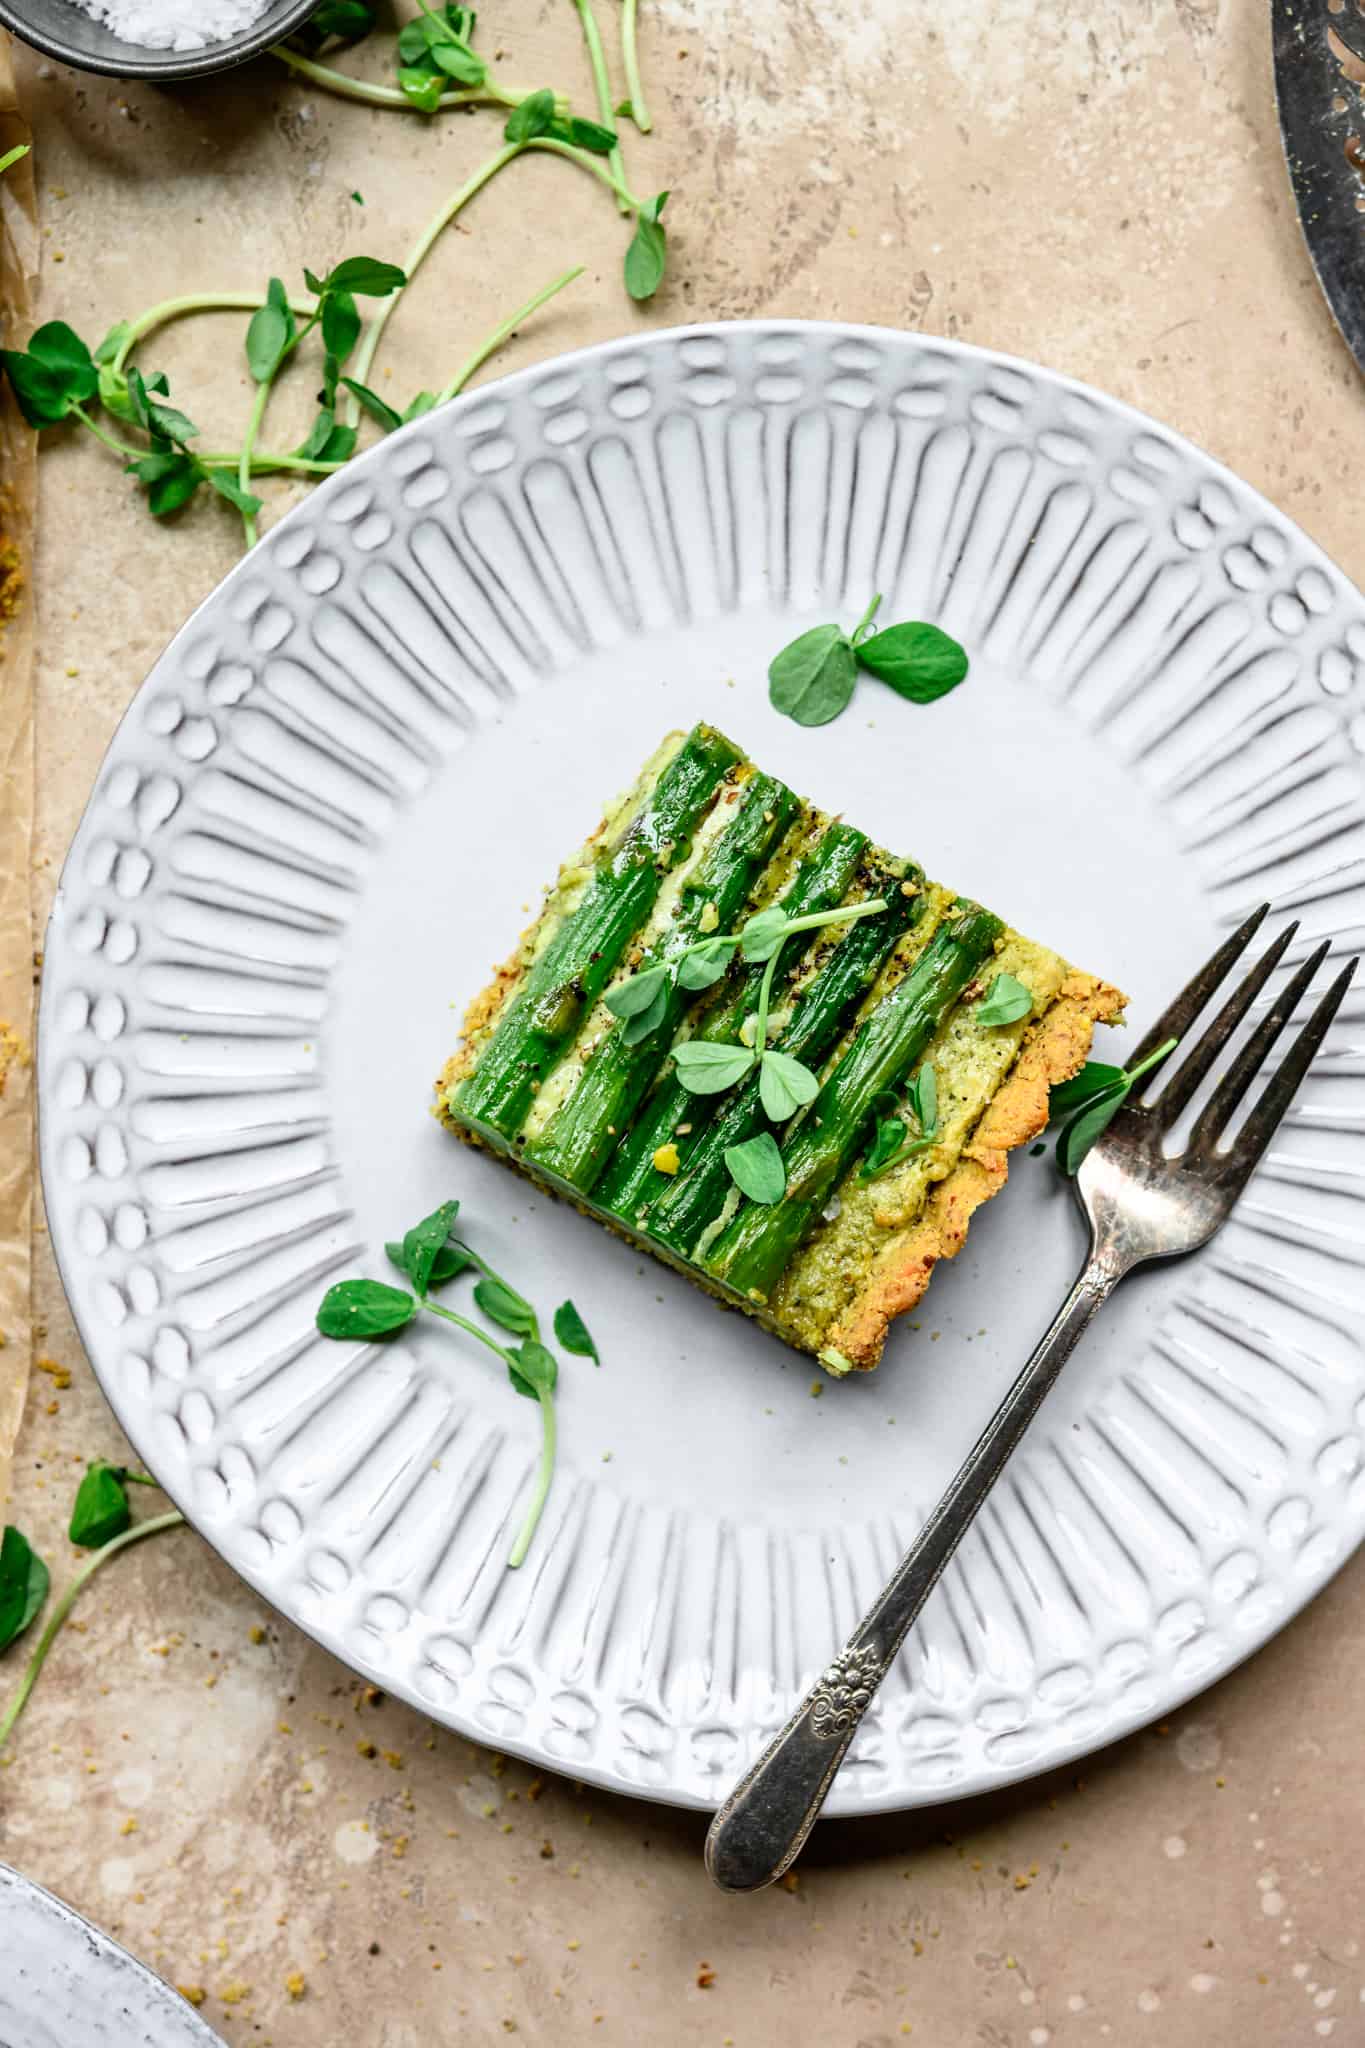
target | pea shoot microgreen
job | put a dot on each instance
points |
(1092, 1099)
(59, 380)
(429, 1255)
(706, 1066)
(892, 1140)
(757, 1170)
(1005, 1002)
(813, 678)
(573, 1334)
(101, 1522)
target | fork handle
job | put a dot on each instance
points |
(760, 1829)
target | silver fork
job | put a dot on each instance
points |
(1140, 1205)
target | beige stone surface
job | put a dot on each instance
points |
(1096, 187)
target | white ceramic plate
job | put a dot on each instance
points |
(65, 1985)
(334, 802)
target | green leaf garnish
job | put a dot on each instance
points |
(504, 1306)
(629, 998)
(572, 1332)
(535, 115)
(1093, 1079)
(812, 679)
(532, 1369)
(269, 334)
(761, 936)
(919, 661)
(706, 1067)
(364, 1309)
(101, 1510)
(785, 1085)
(1005, 1002)
(423, 1242)
(757, 1170)
(647, 256)
(24, 1585)
(374, 405)
(1098, 1110)
(365, 275)
(704, 964)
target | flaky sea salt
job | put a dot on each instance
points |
(175, 24)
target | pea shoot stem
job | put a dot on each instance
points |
(588, 162)
(119, 447)
(500, 334)
(548, 1428)
(635, 91)
(540, 1490)
(490, 93)
(597, 59)
(420, 250)
(866, 620)
(140, 1530)
(253, 428)
(463, 1323)
(194, 302)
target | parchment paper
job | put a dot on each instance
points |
(18, 272)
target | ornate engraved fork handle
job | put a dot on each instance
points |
(762, 1825)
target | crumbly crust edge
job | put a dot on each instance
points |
(1054, 1049)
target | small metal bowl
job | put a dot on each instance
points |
(62, 30)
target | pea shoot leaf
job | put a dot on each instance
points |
(1089, 1123)
(889, 1140)
(364, 1309)
(785, 1085)
(422, 86)
(101, 1509)
(813, 677)
(269, 333)
(365, 275)
(340, 323)
(762, 934)
(706, 1067)
(572, 1332)
(1094, 1078)
(636, 1029)
(1005, 1002)
(923, 1094)
(24, 1585)
(756, 1168)
(535, 115)
(706, 963)
(635, 995)
(506, 1308)
(227, 486)
(919, 661)
(589, 135)
(535, 1370)
(647, 255)
(374, 405)
(422, 1243)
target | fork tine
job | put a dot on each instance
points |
(1180, 1089)
(1261, 1126)
(1249, 1061)
(1176, 1021)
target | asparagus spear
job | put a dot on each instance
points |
(578, 1138)
(693, 1200)
(630, 1179)
(544, 1015)
(752, 1252)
